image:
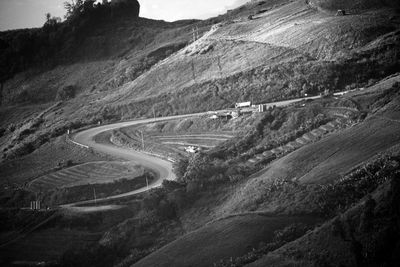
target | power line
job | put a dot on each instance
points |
(94, 195)
(193, 71)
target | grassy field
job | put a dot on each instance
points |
(219, 240)
(88, 173)
(15, 114)
(66, 230)
(364, 235)
(48, 244)
(45, 160)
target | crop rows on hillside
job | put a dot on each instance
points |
(90, 173)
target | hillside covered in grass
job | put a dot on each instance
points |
(107, 68)
(315, 183)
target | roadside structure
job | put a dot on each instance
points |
(243, 104)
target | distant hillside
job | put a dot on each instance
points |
(315, 183)
(284, 50)
(355, 6)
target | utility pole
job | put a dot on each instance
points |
(193, 71)
(94, 195)
(147, 183)
(195, 33)
(142, 140)
(219, 66)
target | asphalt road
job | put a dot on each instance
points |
(162, 167)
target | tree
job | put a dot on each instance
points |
(180, 167)
(51, 22)
(48, 17)
(74, 7)
(67, 92)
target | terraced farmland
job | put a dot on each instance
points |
(89, 173)
(307, 138)
(168, 145)
(200, 140)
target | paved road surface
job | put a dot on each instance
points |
(162, 167)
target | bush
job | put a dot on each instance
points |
(281, 237)
(180, 168)
(66, 93)
(332, 199)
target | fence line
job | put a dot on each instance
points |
(114, 140)
(76, 143)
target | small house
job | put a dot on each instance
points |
(243, 105)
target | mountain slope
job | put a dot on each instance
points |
(328, 159)
(270, 56)
(286, 49)
(222, 239)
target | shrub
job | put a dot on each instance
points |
(281, 237)
(180, 168)
(66, 93)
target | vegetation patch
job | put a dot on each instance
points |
(60, 196)
(290, 197)
(88, 173)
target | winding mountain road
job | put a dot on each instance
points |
(162, 167)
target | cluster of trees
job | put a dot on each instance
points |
(88, 8)
(57, 42)
(276, 127)
(67, 92)
(203, 171)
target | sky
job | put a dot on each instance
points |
(16, 14)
